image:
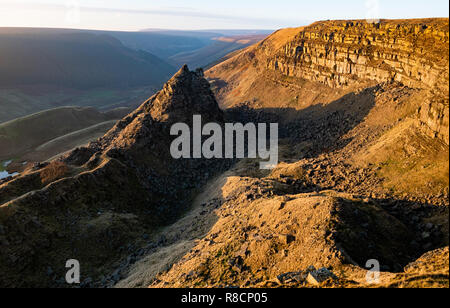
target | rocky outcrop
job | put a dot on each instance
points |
(434, 118)
(339, 53)
(108, 194)
(342, 53)
(300, 65)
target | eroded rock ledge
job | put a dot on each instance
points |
(344, 53)
(341, 52)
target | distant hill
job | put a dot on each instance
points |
(163, 43)
(195, 48)
(221, 47)
(42, 69)
(23, 136)
(210, 32)
(212, 45)
(242, 32)
(75, 59)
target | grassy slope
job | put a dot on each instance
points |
(408, 160)
(60, 145)
(77, 60)
(22, 101)
(24, 134)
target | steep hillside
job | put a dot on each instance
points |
(401, 64)
(76, 60)
(344, 55)
(363, 114)
(100, 199)
(20, 138)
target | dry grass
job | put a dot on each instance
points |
(246, 244)
(284, 170)
(409, 161)
(55, 171)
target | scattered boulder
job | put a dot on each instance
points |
(292, 277)
(317, 277)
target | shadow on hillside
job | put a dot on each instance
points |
(320, 126)
(174, 241)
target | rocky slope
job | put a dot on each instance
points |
(98, 201)
(266, 235)
(363, 113)
(344, 55)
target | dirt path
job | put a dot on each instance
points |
(176, 240)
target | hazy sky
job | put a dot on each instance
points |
(204, 14)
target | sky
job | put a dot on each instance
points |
(132, 15)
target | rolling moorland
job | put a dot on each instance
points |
(363, 174)
(48, 68)
(46, 134)
(42, 70)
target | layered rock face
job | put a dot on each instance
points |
(342, 53)
(434, 119)
(339, 53)
(301, 65)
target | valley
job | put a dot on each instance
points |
(101, 69)
(21, 101)
(48, 134)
